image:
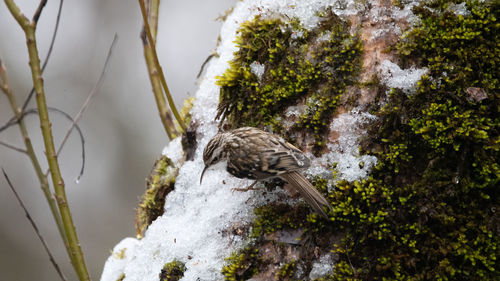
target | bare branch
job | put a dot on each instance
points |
(19, 115)
(73, 246)
(15, 120)
(205, 63)
(30, 152)
(13, 147)
(33, 224)
(38, 11)
(23, 21)
(49, 52)
(159, 68)
(164, 112)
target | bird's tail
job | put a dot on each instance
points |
(307, 190)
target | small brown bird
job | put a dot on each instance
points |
(254, 154)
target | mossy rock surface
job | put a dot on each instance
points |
(429, 210)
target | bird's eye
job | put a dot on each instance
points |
(215, 159)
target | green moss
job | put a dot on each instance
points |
(242, 265)
(428, 211)
(286, 271)
(159, 183)
(274, 217)
(313, 67)
(172, 271)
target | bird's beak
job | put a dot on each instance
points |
(202, 173)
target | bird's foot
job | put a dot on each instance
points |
(245, 189)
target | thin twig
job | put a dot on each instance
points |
(80, 133)
(73, 245)
(91, 95)
(30, 151)
(13, 147)
(161, 103)
(205, 63)
(49, 52)
(16, 120)
(38, 11)
(4, 85)
(158, 66)
(33, 224)
(12, 121)
(153, 11)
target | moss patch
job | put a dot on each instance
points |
(172, 271)
(159, 183)
(280, 64)
(274, 217)
(242, 265)
(286, 271)
(429, 211)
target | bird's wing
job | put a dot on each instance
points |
(269, 155)
(280, 157)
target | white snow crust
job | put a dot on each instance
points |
(344, 152)
(395, 77)
(322, 267)
(258, 69)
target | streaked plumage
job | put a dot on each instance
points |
(254, 154)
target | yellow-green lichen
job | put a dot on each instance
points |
(172, 271)
(298, 66)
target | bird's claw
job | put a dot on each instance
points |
(244, 189)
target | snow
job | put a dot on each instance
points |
(324, 37)
(388, 18)
(119, 259)
(258, 69)
(459, 9)
(344, 152)
(322, 267)
(395, 77)
(174, 152)
(345, 8)
(193, 228)
(406, 13)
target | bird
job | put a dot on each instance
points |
(255, 154)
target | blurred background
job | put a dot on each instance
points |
(123, 133)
